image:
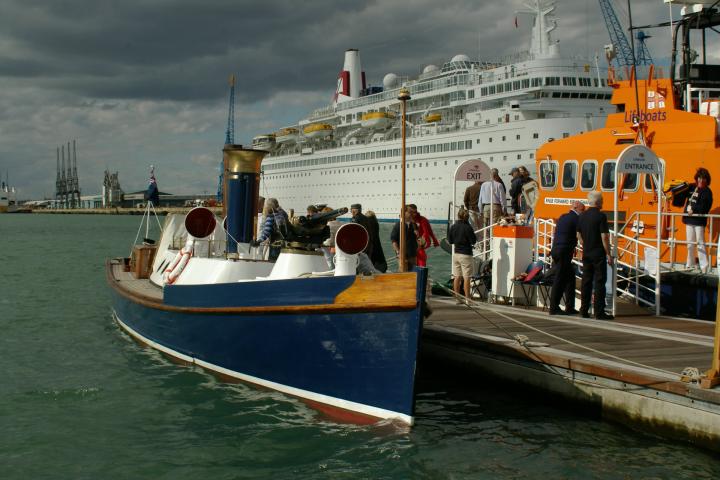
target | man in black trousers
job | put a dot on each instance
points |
(594, 234)
(563, 249)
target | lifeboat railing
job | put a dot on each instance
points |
(634, 281)
(629, 274)
(674, 246)
(701, 93)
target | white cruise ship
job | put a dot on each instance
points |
(499, 113)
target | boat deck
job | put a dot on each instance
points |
(631, 366)
(138, 286)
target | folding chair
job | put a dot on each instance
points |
(532, 279)
(481, 280)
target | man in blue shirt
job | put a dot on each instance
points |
(563, 249)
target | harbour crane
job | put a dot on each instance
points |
(622, 49)
(229, 134)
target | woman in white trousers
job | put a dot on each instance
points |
(698, 204)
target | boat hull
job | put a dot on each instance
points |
(355, 365)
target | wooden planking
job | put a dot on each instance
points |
(397, 289)
(658, 342)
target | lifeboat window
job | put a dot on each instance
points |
(587, 177)
(649, 183)
(630, 184)
(608, 175)
(569, 178)
(548, 174)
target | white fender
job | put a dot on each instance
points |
(176, 267)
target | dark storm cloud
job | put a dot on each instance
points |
(142, 82)
(179, 50)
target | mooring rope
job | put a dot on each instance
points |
(475, 306)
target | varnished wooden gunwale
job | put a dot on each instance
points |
(397, 293)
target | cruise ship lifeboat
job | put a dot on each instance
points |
(318, 130)
(264, 142)
(286, 135)
(377, 120)
(433, 118)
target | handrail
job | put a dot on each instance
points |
(634, 221)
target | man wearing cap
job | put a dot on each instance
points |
(515, 189)
(563, 249)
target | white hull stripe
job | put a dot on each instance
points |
(296, 392)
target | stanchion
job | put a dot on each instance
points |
(712, 376)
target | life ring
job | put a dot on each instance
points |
(176, 267)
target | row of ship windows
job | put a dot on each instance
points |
(588, 177)
(464, 80)
(378, 168)
(392, 152)
(538, 82)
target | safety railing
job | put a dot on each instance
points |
(669, 243)
(630, 279)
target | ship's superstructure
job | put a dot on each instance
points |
(497, 112)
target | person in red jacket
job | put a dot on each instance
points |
(426, 236)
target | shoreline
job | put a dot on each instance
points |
(120, 211)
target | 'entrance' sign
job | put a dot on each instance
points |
(638, 159)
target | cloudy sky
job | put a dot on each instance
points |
(140, 82)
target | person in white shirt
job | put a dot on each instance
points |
(491, 204)
(492, 201)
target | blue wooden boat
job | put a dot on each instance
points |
(343, 343)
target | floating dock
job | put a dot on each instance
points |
(629, 368)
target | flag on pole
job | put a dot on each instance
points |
(153, 194)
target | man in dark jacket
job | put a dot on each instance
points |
(359, 218)
(515, 189)
(378, 256)
(594, 233)
(462, 236)
(471, 199)
(410, 240)
(563, 249)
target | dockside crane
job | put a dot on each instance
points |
(623, 51)
(229, 134)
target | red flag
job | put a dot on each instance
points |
(516, 24)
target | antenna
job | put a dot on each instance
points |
(229, 134)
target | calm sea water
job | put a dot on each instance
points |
(79, 399)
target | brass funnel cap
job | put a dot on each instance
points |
(237, 159)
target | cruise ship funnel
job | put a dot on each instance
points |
(351, 80)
